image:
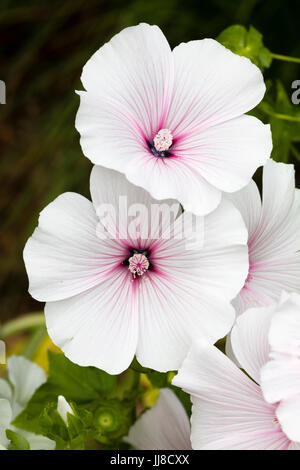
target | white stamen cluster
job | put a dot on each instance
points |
(163, 140)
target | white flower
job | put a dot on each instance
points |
(173, 121)
(25, 378)
(165, 426)
(274, 236)
(230, 411)
(104, 305)
(280, 376)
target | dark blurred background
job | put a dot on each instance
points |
(44, 45)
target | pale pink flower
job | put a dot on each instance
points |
(274, 236)
(280, 377)
(165, 426)
(173, 121)
(105, 303)
(231, 411)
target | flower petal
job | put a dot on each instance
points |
(284, 334)
(26, 377)
(223, 263)
(211, 85)
(65, 256)
(173, 177)
(274, 243)
(98, 327)
(226, 402)
(226, 155)
(248, 202)
(279, 229)
(207, 276)
(294, 446)
(277, 235)
(288, 414)
(249, 340)
(129, 83)
(165, 426)
(129, 212)
(5, 390)
(251, 441)
(169, 322)
(63, 408)
(280, 379)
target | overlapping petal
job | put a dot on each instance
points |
(280, 376)
(274, 236)
(284, 334)
(98, 327)
(249, 340)
(170, 178)
(227, 154)
(228, 408)
(164, 427)
(128, 212)
(211, 85)
(199, 281)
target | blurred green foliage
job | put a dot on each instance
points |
(43, 48)
(104, 406)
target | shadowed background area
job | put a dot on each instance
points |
(43, 48)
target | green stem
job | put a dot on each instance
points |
(26, 322)
(284, 117)
(286, 58)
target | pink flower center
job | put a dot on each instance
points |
(138, 264)
(163, 140)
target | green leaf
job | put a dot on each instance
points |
(17, 442)
(246, 43)
(159, 379)
(75, 425)
(285, 122)
(128, 384)
(136, 366)
(164, 380)
(103, 405)
(282, 140)
(52, 425)
(77, 443)
(77, 384)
